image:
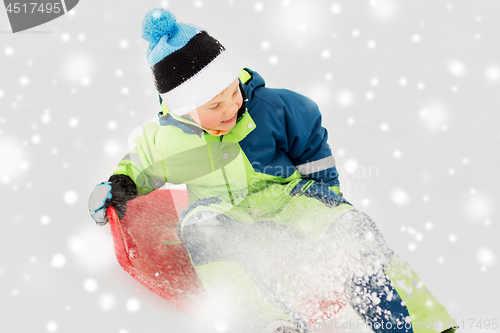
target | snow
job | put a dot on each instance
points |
(14, 161)
(434, 116)
(478, 206)
(44, 220)
(198, 4)
(345, 98)
(124, 44)
(92, 248)
(70, 197)
(221, 326)
(24, 80)
(457, 68)
(113, 148)
(77, 66)
(46, 117)
(107, 302)
(384, 10)
(492, 73)
(85, 80)
(133, 305)
(258, 6)
(9, 51)
(273, 60)
(400, 197)
(350, 166)
(371, 44)
(58, 260)
(65, 37)
(336, 8)
(73, 122)
(51, 326)
(485, 256)
(436, 139)
(90, 285)
(112, 125)
(36, 139)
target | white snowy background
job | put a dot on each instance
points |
(410, 95)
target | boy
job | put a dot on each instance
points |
(266, 216)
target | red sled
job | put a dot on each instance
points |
(148, 248)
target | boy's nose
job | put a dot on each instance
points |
(234, 108)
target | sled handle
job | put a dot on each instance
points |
(119, 243)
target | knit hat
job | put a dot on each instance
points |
(189, 66)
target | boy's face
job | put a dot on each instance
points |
(220, 112)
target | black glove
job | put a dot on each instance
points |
(115, 192)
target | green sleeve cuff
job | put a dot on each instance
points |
(335, 189)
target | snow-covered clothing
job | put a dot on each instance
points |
(264, 198)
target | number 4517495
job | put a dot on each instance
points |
(34, 7)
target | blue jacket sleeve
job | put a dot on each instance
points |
(304, 139)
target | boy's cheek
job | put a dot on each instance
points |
(210, 121)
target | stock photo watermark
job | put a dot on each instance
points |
(331, 325)
(24, 15)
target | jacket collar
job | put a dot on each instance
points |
(191, 127)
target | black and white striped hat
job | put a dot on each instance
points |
(189, 66)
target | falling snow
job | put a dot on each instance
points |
(9, 51)
(90, 285)
(70, 197)
(336, 8)
(400, 197)
(485, 256)
(133, 305)
(107, 302)
(58, 261)
(51, 326)
(457, 68)
(417, 105)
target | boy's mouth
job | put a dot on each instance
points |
(230, 120)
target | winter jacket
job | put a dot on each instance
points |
(278, 139)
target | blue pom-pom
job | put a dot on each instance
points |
(158, 23)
